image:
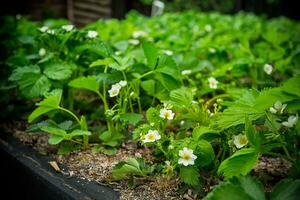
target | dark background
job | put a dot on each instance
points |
(39, 9)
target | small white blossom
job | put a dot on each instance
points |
(278, 107)
(114, 91)
(51, 32)
(152, 124)
(240, 141)
(122, 83)
(292, 121)
(213, 83)
(131, 94)
(118, 53)
(151, 136)
(168, 52)
(212, 50)
(186, 72)
(268, 69)
(68, 28)
(137, 34)
(166, 114)
(208, 28)
(44, 29)
(182, 122)
(133, 42)
(42, 52)
(92, 34)
(186, 157)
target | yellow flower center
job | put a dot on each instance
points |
(186, 156)
(151, 137)
(243, 140)
(166, 114)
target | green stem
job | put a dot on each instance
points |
(279, 138)
(215, 98)
(145, 74)
(72, 114)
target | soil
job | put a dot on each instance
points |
(97, 167)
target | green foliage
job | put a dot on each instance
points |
(189, 175)
(243, 187)
(151, 54)
(131, 167)
(240, 163)
(131, 118)
(50, 103)
(286, 189)
(247, 187)
(89, 83)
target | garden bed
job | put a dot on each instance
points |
(207, 111)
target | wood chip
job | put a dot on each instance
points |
(55, 166)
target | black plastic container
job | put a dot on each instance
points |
(25, 174)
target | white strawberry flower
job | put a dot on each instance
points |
(168, 52)
(212, 50)
(278, 107)
(137, 34)
(151, 136)
(51, 32)
(268, 69)
(92, 34)
(68, 28)
(42, 52)
(208, 28)
(44, 29)
(213, 83)
(133, 41)
(166, 114)
(114, 91)
(292, 121)
(186, 157)
(240, 141)
(186, 72)
(122, 83)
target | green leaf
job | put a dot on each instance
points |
(132, 166)
(153, 116)
(66, 148)
(225, 191)
(54, 131)
(206, 153)
(240, 163)
(151, 54)
(88, 83)
(79, 132)
(181, 98)
(50, 103)
(58, 71)
(20, 71)
(252, 187)
(189, 175)
(131, 118)
(34, 85)
(204, 132)
(287, 189)
(252, 135)
(149, 86)
(65, 125)
(168, 81)
(102, 62)
(55, 139)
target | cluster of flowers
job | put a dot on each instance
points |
(186, 155)
(115, 88)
